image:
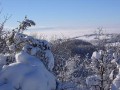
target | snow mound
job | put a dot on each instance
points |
(28, 73)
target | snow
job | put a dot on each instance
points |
(24, 57)
(34, 51)
(33, 47)
(93, 80)
(2, 60)
(28, 73)
(116, 82)
(101, 52)
(114, 88)
(114, 61)
(12, 47)
(111, 75)
(115, 55)
(50, 58)
(6, 87)
(95, 55)
(6, 59)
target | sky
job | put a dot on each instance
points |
(64, 14)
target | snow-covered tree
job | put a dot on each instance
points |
(116, 82)
(32, 65)
(93, 82)
(103, 66)
(75, 72)
(3, 35)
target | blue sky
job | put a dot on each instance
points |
(64, 13)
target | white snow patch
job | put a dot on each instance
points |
(95, 55)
